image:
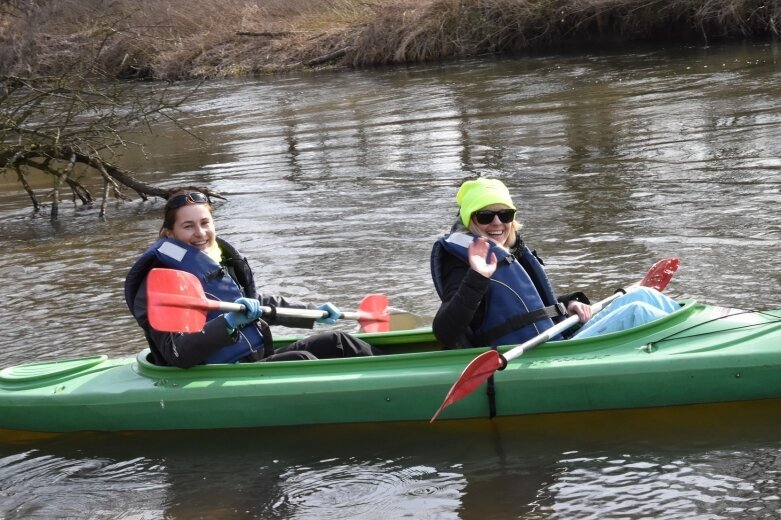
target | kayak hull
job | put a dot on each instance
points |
(699, 354)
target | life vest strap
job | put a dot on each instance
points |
(522, 320)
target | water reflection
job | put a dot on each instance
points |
(385, 489)
(40, 485)
(658, 463)
(693, 486)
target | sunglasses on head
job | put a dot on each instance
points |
(485, 216)
(194, 197)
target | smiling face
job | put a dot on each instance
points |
(496, 230)
(194, 225)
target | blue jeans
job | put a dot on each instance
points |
(638, 306)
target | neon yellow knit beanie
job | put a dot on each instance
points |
(479, 193)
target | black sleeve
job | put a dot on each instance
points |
(181, 350)
(462, 297)
(285, 321)
(576, 296)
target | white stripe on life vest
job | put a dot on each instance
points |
(172, 250)
(460, 239)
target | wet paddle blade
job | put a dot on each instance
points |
(403, 320)
(373, 313)
(176, 319)
(660, 274)
(477, 372)
(175, 301)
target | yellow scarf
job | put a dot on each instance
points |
(214, 252)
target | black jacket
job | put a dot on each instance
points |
(463, 305)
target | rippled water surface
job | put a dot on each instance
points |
(336, 186)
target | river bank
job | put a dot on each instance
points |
(177, 39)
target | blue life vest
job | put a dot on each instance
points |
(215, 279)
(519, 302)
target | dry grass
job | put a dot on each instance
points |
(172, 39)
(456, 28)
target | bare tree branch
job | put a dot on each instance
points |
(82, 118)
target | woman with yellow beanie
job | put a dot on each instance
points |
(494, 290)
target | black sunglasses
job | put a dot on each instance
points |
(485, 216)
(194, 197)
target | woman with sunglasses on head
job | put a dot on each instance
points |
(188, 241)
(494, 290)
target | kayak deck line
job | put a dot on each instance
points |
(748, 319)
(698, 354)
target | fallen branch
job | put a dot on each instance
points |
(331, 56)
(267, 34)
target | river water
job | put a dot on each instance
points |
(337, 184)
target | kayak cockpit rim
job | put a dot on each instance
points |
(418, 344)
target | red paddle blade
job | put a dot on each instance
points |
(660, 274)
(475, 374)
(175, 301)
(373, 312)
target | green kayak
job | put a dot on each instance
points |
(699, 354)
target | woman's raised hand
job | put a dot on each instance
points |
(478, 250)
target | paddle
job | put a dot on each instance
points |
(404, 320)
(176, 303)
(483, 366)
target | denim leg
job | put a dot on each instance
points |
(625, 317)
(646, 295)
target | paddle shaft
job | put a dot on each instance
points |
(176, 302)
(657, 277)
(285, 311)
(555, 330)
